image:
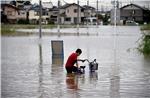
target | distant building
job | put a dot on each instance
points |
(24, 11)
(22, 14)
(34, 13)
(53, 14)
(69, 14)
(24, 8)
(10, 11)
(90, 15)
(89, 11)
(133, 12)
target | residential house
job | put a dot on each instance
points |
(53, 14)
(23, 12)
(69, 14)
(34, 14)
(90, 15)
(10, 11)
(133, 12)
(89, 11)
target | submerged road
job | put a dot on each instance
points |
(29, 71)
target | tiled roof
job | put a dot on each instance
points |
(133, 5)
(67, 5)
(9, 5)
(88, 7)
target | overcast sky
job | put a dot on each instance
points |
(84, 1)
(102, 3)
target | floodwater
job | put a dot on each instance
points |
(29, 71)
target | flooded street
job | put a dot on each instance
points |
(29, 71)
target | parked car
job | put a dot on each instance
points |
(131, 23)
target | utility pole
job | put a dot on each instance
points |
(97, 12)
(16, 3)
(58, 18)
(97, 17)
(115, 13)
(88, 2)
(40, 20)
(78, 21)
(115, 33)
(87, 17)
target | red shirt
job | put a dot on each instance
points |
(71, 60)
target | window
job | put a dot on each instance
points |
(133, 12)
(9, 13)
(44, 13)
(21, 13)
(133, 18)
(82, 10)
(75, 10)
(36, 13)
(18, 13)
(68, 19)
(68, 11)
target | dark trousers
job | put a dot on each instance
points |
(71, 69)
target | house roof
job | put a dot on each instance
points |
(37, 8)
(88, 7)
(133, 5)
(68, 5)
(23, 3)
(54, 8)
(9, 5)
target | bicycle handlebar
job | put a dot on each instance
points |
(89, 61)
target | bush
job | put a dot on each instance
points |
(145, 27)
(144, 47)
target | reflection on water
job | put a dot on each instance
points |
(57, 64)
(72, 81)
(93, 76)
(40, 72)
(115, 87)
(57, 60)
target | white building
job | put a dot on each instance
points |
(34, 15)
(69, 14)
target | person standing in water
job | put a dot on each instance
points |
(72, 60)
